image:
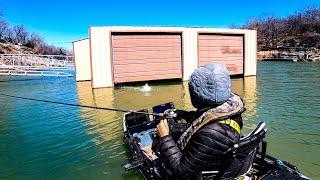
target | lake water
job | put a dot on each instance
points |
(48, 141)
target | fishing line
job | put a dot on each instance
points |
(79, 105)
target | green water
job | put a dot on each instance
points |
(47, 141)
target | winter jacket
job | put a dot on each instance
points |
(205, 152)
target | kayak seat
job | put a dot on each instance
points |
(244, 152)
(253, 139)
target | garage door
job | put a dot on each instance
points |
(143, 57)
(224, 49)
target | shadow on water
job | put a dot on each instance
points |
(153, 82)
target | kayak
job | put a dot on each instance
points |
(140, 134)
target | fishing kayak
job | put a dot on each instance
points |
(140, 134)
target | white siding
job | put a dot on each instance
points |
(250, 53)
(82, 60)
(190, 52)
(100, 57)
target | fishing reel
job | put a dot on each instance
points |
(175, 128)
(169, 114)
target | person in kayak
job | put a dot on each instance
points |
(201, 151)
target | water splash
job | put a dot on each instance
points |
(145, 88)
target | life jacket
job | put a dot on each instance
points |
(232, 107)
(243, 152)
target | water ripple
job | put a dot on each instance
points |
(40, 140)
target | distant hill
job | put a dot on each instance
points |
(12, 48)
(301, 29)
(7, 47)
(18, 40)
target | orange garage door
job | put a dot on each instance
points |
(143, 57)
(224, 49)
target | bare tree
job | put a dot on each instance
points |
(35, 41)
(10, 35)
(300, 29)
(3, 28)
(311, 17)
(20, 34)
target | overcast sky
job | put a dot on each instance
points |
(61, 21)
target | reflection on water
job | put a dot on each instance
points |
(39, 140)
(102, 122)
(107, 126)
(246, 87)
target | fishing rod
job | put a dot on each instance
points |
(84, 106)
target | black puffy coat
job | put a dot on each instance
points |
(204, 152)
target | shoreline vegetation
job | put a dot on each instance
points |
(18, 39)
(295, 37)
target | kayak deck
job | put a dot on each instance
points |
(140, 132)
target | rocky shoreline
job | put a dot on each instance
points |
(289, 54)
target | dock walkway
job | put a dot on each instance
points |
(36, 65)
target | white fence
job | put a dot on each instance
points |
(35, 65)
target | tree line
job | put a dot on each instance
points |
(19, 35)
(301, 29)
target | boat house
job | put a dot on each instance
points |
(119, 54)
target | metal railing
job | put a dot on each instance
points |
(35, 65)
